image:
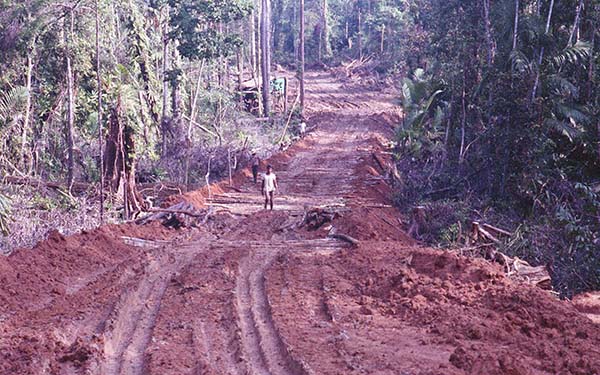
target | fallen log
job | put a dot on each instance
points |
(140, 242)
(175, 216)
(174, 211)
(344, 237)
(34, 182)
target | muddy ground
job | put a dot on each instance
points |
(253, 292)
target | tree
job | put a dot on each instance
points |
(301, 63)
(99, 109)
(265, 47)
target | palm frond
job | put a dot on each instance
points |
(519, 62)
(5, 214)
(572, 112)
(562, 87)
(567, 128)
(575, 54)
(12, 104)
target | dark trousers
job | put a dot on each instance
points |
(255, 173)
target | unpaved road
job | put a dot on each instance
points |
(253, 292)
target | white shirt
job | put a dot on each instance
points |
(269, 182)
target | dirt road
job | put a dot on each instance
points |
(254, 292)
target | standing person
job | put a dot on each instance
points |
(302, 129)
(269, 186)
(255, 164)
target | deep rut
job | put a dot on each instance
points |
(263, 347)
(130, 327)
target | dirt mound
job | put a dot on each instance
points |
(589, 304)
(49, 289)
(471, 318)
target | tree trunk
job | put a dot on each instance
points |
(574, 30)
(221, 59)
(326, 43)
(541, 55)
(120, 162)
(257, 51)
(70, 104)
(598, 137)
(382, 39)
(253, 64)
(240, 63)
(165, 89)
(488, 34)
(265, 54)
(99, 109)
(301, 67)
(516, 25)
(28, 88)
(320, 44)
(347, 35)
(191, 121)
(359, 35)
(463, 122)
(294, 35)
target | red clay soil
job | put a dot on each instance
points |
(255, 292)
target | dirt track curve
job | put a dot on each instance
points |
(252, 292)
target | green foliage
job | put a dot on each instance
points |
(189, 19)
(520, 128)
(423, 112)
(12, 105)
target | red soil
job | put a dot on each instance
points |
(252, 292)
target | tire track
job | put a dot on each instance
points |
(130, 328)
(265, 351)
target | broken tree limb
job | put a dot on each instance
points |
(488, 235)
(315, 217)
(482, 231)
(289, 118)
(344, 237)
(496, 230)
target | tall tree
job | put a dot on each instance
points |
(265, 47)
(69, 36)
(99, 110)
(301, 52)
